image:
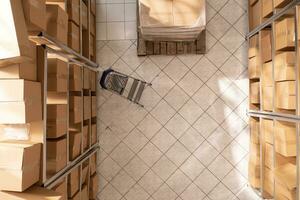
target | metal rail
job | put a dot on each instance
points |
(65, 172)
(43, 38)
(270, 20)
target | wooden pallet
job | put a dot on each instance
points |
(145, 47)
(171, 48)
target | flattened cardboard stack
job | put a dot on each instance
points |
(171, 20)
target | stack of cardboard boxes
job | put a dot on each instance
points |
(254, 72)
(285, 160)
(267, 70)
(285, 65)
(268, 169)
(21, 101)
(20, 94)
(94, 178)
(254, 156)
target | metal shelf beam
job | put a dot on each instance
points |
(43, 38)
(63, 173)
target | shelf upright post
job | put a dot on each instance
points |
(68, 114)
(273, 36)
(42, 78)
(297, 98)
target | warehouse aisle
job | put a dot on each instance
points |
(191, 140)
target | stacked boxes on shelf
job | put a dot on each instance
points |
(268, 163)
(254, 72)
(57, 88)
(65, 106)
(278, 134)
(284, 65)
(254, 156)
(94, 179)
(267, 70)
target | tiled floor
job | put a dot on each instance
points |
(190, 142)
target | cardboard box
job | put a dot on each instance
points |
(56, 155)
(253, 46)
(254, 175)
(254, 93)
(57, 23)
(268, 181)
(93, 164)
(56, 120)
(74, 36)
(57, 75)
(251, 2)
(75, 78)
(73, 182)
(267, 98)
(84, 174)
(94, 134)
(254, 155)
(75, 109)
(268, 129)
(84, 193)
(285, 66)
(85, 137)
(26, 70)
(93, 6)
(254, 68)
(17, 100)
(93, 81)
(280, 3)
(254, 130)
(255, 15)
(84, 16)
(86, 78)
(266, 44)
(267, 73)
(285, 138)
(269, 158)
(61, 188)
(94, 106)
(282, 160)
(74, 144)
(14, 44)
(93, 24)
(267, 8)
(286, 180)
(285, 34)
(86, 107)
(286, 95)
(73, 8)
(94, 185)
(19, 165)
(34, 11)
(22, 171)
(33, 193)
(57, 98)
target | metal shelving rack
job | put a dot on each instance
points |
(48, 46)
(290, 8)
